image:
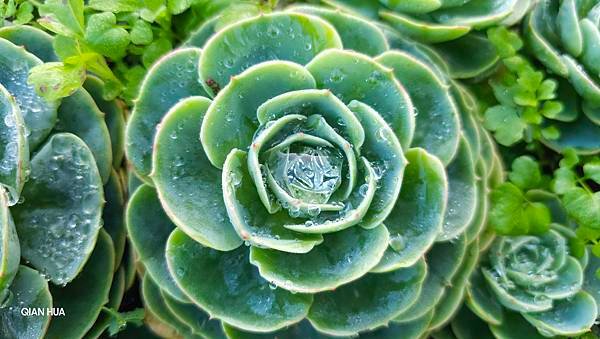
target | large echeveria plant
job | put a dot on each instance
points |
(57, 184)
(288, 177)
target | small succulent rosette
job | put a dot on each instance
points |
(57, 184)
(565, 37)
(531, 286)
(303, 179)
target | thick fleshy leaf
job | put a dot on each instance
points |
(188, 186)
(591, 45)
(38, 114)
(29, 290)
(156, 305)
(466, 325)
(592, 112)
(413, 6)
(382, 148)
(569, 282)
(113, 115)
(149, 228)
(413, 329)
(14, 150)
(476, 13)
(568, 317)
(469, 113)
(172, 78)
(536, 37)
(428, 32)
(367, 303)
(35, 41)
(59, 219)
(468, 56)
(78, 114)
(482, 301)
(583, 135)
(200, 36)
(354, 76)
(302, 329)
(280, 36)
(437, 122)
(82, 299)
(516, 299)
(231, 120)
(462, 193)
(416, 219)
(342, 257)
(357, 34)
(584, 84)
(113, 215)
(311, 102)
(444, 260)
(591, 283)
(228, 287)
(194, 317)
(453, 297)
(250, 219)
(479, 221)
(115, 296)
(368, 9)
(515, 327)
(10, 251)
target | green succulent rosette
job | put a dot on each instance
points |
(61, 198)
(294, 186)
(565, 37)
(531, 286)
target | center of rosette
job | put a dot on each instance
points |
(310, 174)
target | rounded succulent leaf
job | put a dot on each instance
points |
(35, 40)
(227, 286)
(78, 114)
(38, 114)
(155, 303)
(113, 215)
(172, 78)
(149, 228)
(357, 34)
(59, 219)
(28, 289)
(437, 127)
(14, 149)
(342, 257)
(113, 115)
(367, 303)
(82, 299)
(221, 128)
(199, 321)
(188, 186)
(283, 36)
(424, 31)
(10, 252)
(416, 219)
(353, 76)
(462, 193)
